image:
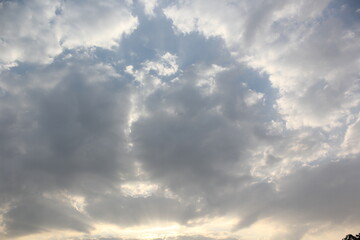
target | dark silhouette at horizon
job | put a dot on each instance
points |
(352, 237)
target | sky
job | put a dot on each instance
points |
(179, 120)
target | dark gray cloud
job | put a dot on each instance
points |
(40, 215)
(198, 135)
(331, 192)
(68, 136)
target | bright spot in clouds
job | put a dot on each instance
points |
(180, 120)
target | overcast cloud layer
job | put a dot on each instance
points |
(184, 120)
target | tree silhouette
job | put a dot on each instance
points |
(352, 237)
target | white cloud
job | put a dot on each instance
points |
(166, 65)
(37, 31)
(94, 23)
(26, 30)
(253, 97)
(286, 40)
(138, 189)
(351, 144)
(149, 6)
(206, 79)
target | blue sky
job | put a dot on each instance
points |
(181, 120)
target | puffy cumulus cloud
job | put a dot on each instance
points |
(149, 7)
(152, 73)
(37, 31)
(165, 67)
(27, 31)
(94, 23)
(309, 49)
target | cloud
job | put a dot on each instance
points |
(351, 139)
(179, 120)
(27, 31)
(41, 214)
(263, 37)
(100, 24)
(149, 7)
(129, 211)
(68, 135)
(37, 31)
(323, 196)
